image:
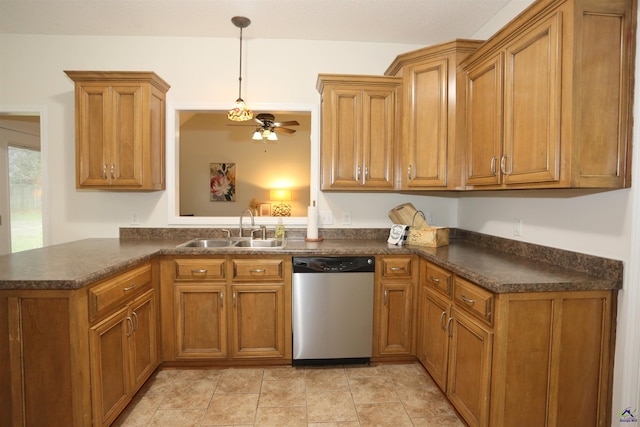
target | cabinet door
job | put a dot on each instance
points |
(144, 342)
(433, 341)
(425, 125)
(258, 321)
(394, 329)
(469, 368)
(532, 105)
(341, 138)
(484, 122)
(201, 326)
(110, 378)
(379, 138)
(93, 111)
(127, 126)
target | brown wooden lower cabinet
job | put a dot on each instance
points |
(531, 358)
(226, 308)
(77, 357)
(396, 279)
(123, 355)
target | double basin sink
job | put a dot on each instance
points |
(237, 242)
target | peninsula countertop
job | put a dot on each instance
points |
(80, 263)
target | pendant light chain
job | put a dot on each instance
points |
(240, 112)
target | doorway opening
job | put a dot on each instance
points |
(21, 193)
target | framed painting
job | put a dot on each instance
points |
(265, 209)
(222, 183)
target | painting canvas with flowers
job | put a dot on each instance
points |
(223, 182)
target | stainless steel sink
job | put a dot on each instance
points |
(239, 243)
(207, 243)
(263, 244)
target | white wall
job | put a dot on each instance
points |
(203, 70)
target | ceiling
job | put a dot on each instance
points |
(389, 21)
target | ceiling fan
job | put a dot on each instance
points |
(267, 127)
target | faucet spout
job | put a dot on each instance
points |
(242, 217)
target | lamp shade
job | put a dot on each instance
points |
(280, 195)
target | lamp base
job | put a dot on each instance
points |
(282, 209)
(319, 239)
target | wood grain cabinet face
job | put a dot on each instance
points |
(543, 357)
(394, 323)
(359, 132)
(226, 308)
(123, 355)
(548, 99)
(433, 106)
(120, 121)
(201, 321)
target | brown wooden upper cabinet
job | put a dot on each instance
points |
(549, 98)
(359, 132)
(433, 105)
(120, 130)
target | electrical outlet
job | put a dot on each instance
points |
(346, 218)
(517, 227)
(135, 218)
(430, 218)
(326, 217)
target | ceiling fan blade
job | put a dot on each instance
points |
(278, 129)
(289, 123)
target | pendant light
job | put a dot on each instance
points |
(240, 112)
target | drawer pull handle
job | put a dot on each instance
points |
(386, 297)
(434, 279)
(221, 299)
(234, 298)
(397, 269)
(467, 300)
(135, 316)
(257, 270)
(131, 329)
(443, 325)
(449, 326)
(130, 288)
(199, 271)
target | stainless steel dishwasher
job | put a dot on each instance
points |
(332, 309)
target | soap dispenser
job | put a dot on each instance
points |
(279, 230)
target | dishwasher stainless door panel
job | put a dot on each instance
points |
(330, 313)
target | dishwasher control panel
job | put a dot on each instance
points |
(333, 264)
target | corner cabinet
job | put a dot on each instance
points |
(549, 98)
(226, 309)
(120, 130)
(359, 132)
(433, 105)
(543, 357)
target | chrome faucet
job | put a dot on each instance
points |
(253, 224)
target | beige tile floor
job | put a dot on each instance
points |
(346, 396)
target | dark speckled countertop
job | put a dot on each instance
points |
(499, 265)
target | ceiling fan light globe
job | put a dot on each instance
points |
(272, 136)
(257, 136)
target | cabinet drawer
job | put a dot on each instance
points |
(258, 269)
(397, 268)
(118, 289)
(474, 299)
(200, 269)
(439, 279)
